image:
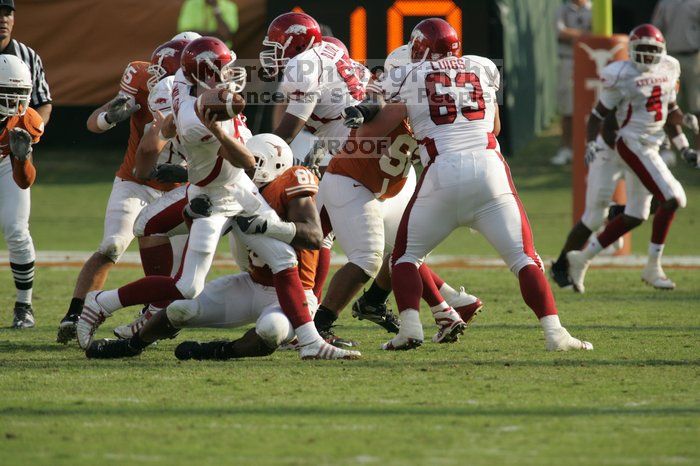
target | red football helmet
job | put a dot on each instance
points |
(433, 39)
(288, 35)
(647, 46)
(165, 61)
(209, 62)
(338, 42)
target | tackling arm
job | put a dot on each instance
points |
(151, 146)
(304, 215)
(388, 118)
(92, 125)
(289, 127)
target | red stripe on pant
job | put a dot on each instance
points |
(167, 219)
(635, 163)
(528, 243)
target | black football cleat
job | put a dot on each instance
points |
(377, 313)
(560, 275)
(66, 329)
(213, 350)
(333, 339)
(24, 316)
(111, 349)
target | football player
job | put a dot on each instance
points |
(450, 102)
(249, 297)
(20, 128)
(218, 190)
(130, 193)
(643, 90)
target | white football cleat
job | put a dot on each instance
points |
(90, 319)
(450, 324)
(561, 340)
(466, 305)
(322, 350)
(577, 269)
(653, 275)
(126, 331)
(564, 155)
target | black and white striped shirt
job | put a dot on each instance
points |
(40, 88)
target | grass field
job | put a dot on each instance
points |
(494, 398)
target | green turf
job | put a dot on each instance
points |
(494, 398)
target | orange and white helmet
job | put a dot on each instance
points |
(15, 86)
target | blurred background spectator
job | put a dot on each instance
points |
(679, 21)
(218, 18)
(573, 19)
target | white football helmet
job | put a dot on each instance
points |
(187, 35)
(15, 86)
(272, 157)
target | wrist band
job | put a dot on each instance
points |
(680, 142)
(102, 122)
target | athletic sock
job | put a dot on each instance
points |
(655, 253)
(307, 334)
(592, 249)
(324, 318)
(76, 307)
(407, 286)
(430, 293)
(322, 269)
(376, 294)
(662, 223)
(291, 296)
(157, 260)
(536, 291)
(439, 282)
(146, 290)
(24, 281)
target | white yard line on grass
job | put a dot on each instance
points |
(131, 259)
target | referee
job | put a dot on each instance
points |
(15, 202)
(41, 97)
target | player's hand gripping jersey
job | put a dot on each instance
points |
(641, 97)
(320, 83)
(294, 183)
(160, 100)
(451, 103)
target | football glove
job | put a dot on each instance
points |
(199, 207)
(353, 117)
(20, 144)
(120, 108)
(267, 224)
(691, 156)
(169, 173)
(592, 150)
(313, 159)
(690, 121)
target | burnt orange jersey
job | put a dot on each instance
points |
(31, 121)
(134, 83)
(294, 183)
(380, 164)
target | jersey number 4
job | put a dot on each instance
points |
(654, 104)
(443, 108)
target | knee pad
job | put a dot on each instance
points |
(368, 261)
(594, 216)
(204, 237)
(274, 328)
(182, 311)
(517, 261)
(190, 288)
(679, 193)
(113, 247)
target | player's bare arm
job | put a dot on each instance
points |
(595, 120)
(231, 150)
(289, 127)
(152, 143)
(45, 112)
(388, 118)
(303, 213)
(108, 115)
(674, 122)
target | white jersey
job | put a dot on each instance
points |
(451, 103)
(160, 100)
(204, 166)
(320, 83)
(641, 97)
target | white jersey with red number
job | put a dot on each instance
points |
(320, 83)
(204, 166)
(451, 103)
(160, 100)
(641, 97)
